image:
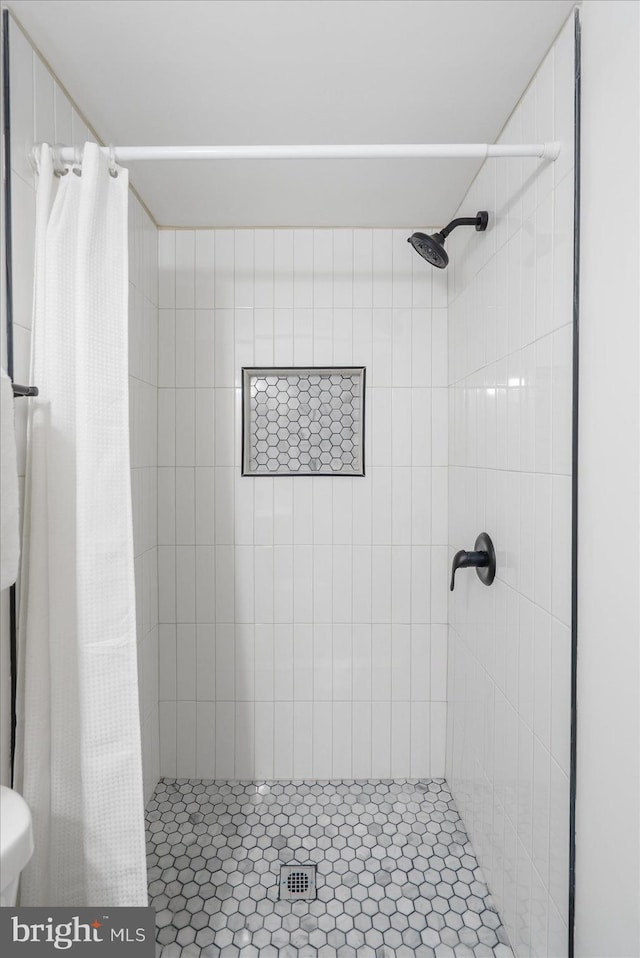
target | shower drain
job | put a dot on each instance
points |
(297, 882)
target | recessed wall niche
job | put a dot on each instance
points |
(303, 421)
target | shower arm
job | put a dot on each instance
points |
(460, 221)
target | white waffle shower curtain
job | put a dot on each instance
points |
(78, 753)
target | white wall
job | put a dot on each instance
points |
(302, 620)
(608, 792)
(510, 374)
(41, 112)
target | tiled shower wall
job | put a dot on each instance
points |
(302, 620)
(510, 374)
(41, 112)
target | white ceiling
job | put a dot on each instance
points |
(154, 72)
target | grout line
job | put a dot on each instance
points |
(175, 550)
(372, 455)
(195, 551)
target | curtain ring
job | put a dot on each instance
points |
(59, 168)
(113, 169)
(77, 160)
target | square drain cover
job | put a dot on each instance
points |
(297, 882)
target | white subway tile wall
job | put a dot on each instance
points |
(302, 620)
(510, 374)
(41, 112)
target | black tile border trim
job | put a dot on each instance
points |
(574, 485)
(8, 266)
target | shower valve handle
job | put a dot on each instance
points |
(482, 559)
(468, 560)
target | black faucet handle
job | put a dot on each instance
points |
(482, 558)
(467, 560)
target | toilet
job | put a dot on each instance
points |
(16, 843)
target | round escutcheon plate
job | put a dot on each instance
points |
(487, 573)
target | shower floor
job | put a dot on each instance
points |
(396, 874)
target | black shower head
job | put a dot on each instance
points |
(432, 248)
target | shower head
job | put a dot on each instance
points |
(432, 248)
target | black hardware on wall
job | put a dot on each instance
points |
(432, 248)
(19, 391)
(482, 559)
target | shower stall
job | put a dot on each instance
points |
(307, 651)
(341, 755)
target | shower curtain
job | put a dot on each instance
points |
(78, 756)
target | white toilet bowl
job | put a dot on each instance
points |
(16, 842)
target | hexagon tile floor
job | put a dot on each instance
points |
(396, 874)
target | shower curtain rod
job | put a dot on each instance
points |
(361, 151)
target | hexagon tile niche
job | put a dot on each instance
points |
(303, 421)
